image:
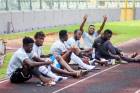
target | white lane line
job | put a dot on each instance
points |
(3, 81)
(82, 80)
(138, 91)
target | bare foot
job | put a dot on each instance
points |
(134, 55)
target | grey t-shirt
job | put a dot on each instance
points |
(89, 39)
(58, 47)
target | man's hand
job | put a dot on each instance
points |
(103, 24)
(85, 17)
(72, 49)
(48, 62)
(83, 23)
(105, 18)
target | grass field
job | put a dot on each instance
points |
(123, 31)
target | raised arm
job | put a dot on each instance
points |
(83, 23)
(103, 24)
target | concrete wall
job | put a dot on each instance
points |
(19, 21)
(137, 15)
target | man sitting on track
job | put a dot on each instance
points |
(58, 63)
(92, 34)
(105, 49)
(24, 64)
(84, 54)
(68, 53)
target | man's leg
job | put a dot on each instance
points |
(35, 71)
(137, 60)
(77, 60)
(61, 71)
(65, 65)
(134, 60)
(46, 71)
(66, 56)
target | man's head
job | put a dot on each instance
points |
(77, 34)
(91, 29)
(63, 36)
(39, 38)
(28, 44)
(107, 34)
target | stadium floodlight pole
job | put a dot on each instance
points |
(126, 7)
(134, 9)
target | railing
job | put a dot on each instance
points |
(2, 51)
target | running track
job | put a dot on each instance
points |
(121, 78)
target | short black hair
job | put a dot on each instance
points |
(75, 31)
(62, 33)
(91, 25)
(39, 34)
(108, 31)
(27, 40)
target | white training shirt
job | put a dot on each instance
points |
(58, 47)
(88, 39)
(37, 50)
(17, 60)
(72, 42)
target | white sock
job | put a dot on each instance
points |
(93, 54)
(77, 60)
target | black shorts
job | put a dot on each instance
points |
(19, 77)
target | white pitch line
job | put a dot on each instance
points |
(138, 91)
(85, 79)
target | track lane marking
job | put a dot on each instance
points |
(4, 81)
(82, 80)
(138, 91)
